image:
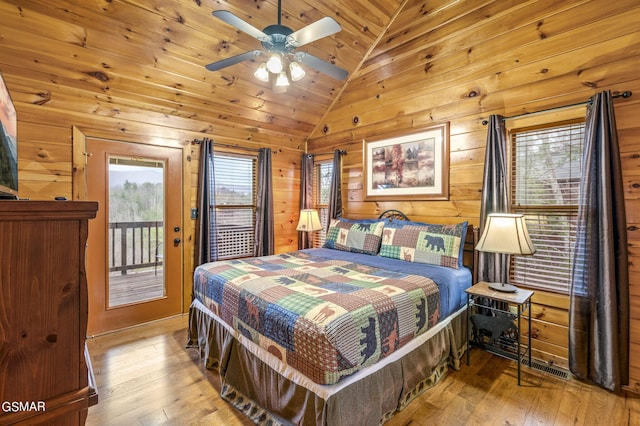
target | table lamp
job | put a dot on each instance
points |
(309, 221)
(505, 233)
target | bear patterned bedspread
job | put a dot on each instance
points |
(325, 318)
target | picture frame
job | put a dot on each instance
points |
(408, 167)
(8, 144)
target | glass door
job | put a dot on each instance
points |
(134, 252)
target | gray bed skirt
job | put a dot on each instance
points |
(270, 393)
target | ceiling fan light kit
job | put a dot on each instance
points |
(274, 64)
(296, 71)
(280, 42)
(282, 80)
(262, 73)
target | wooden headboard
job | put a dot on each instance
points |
(470, 256)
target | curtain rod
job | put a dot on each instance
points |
(199, 141)
(625, 94)
(342, 152)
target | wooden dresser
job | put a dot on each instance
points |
(44, 378)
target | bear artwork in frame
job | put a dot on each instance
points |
(408, 167)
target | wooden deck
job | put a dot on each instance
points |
(135, 287)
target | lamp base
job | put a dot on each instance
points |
(506, 288)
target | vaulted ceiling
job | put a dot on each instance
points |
(149, 57)
(302, 107)
(137, 67)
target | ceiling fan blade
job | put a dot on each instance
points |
(315, 31)
(321, 65)
(244, 26)
(233, 60)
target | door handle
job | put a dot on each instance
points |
(176, 241)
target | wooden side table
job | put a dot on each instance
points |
(521, 300)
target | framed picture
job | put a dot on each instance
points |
(8, 144)
(414, 166)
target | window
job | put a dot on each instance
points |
(322, 171)
(545, 187)
(235, 203)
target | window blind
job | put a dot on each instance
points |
(545, 187)
(235, 204)
(321, 191)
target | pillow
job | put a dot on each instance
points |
(354, 236)
(463, 231)
(441, 245)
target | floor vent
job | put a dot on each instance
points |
(546, 368)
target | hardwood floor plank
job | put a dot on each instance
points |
(145, 376)
(605, 410)
(575, 402)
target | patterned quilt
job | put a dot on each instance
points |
(326, 318)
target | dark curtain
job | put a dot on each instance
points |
(264, 235)
(494, 267)
(599, 308)
(335, 194)
(306, 195)
(207, 236)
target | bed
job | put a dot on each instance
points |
(363, 325)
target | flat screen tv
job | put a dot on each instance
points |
(8, 144)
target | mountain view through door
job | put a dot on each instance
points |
(136, 231)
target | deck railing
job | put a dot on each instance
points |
(135, 245)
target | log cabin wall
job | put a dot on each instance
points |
(444, 61)
(133, 70)
(123, 71)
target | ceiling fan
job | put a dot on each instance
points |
(279, 43)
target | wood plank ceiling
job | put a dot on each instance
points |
(149, 56)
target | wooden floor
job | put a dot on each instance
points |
(146, 377)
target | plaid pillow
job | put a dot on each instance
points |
(354, 236)
(433, 244)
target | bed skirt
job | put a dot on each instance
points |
(271, 393)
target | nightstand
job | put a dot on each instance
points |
(497, 333)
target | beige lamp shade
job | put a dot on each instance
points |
(309, 221)
(506, 233)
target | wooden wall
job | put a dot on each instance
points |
(459, 66)
(133, 70)
(67, 64)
